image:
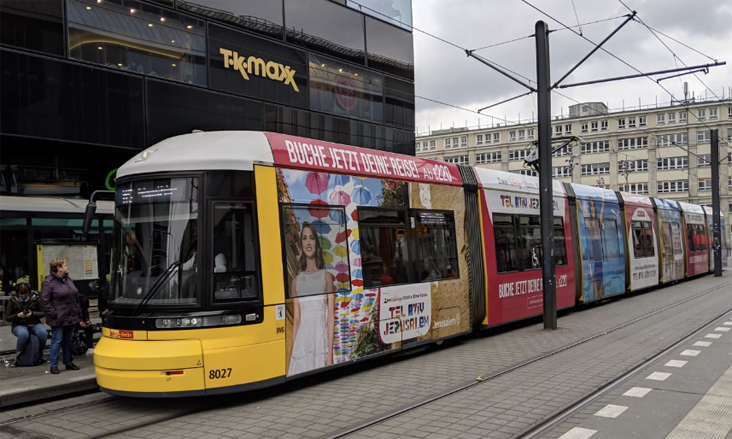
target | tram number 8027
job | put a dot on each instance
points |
(216, 374)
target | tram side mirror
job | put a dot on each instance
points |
(91, 208)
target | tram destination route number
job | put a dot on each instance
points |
(215, 374)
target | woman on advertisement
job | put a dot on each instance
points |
(313, 320)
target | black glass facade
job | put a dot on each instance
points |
(86, 82)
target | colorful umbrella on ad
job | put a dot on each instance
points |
(361, 195)
(318, 209)
(316, 182)
(339, 198)
(339, 180)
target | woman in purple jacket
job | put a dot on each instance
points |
(60, 301)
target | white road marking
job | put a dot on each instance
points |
(721, 329)
(578, 433)
(658, 376)
(637, 392)
(712, 415)
(727, 323)
(690, 353)
(713, 335)
(703, 344)
(676, 363)
(611, 411)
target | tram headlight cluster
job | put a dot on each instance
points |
(197, 322)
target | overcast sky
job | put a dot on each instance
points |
(446, 74)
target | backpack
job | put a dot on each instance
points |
(31, 354)
(78, 343)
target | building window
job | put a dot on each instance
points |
(640, 165)
(713, 113)
(642, 121)
(527, 172)
(671, 117)
(593, 126)
(633, 143)
(682, 116)
(561, 172)
(703, 136)
(455, 142)
(583, 127)
(518, 154)
(530, 134)
(729, 112)
(522, 134)
(603, 125)
(418, 147)
(673, 186)
(565, 150)
(705, 184)
(701, 113)
(464, 141)
(672, 139)
(729, 135)
(433, 144)
(621, 123)
(631, 122)
(635, 188)
(488, 157)
(478, 139)
(496, 137)
(664, 164)
(458, 159)
(150, 41)
(448, 143)
(660, 119)
(557, 130)
(705, 160)
(595, 147)
(512, 136)
(596, 169)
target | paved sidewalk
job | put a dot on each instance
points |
(686, 393)
(22, 385)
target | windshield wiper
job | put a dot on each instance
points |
(161, 280)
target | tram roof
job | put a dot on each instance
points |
(51, 205)
(709, 211)
(691, 208)
(241, 150)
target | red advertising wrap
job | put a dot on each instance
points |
(302, 153)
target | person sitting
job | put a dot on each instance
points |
(23, 311)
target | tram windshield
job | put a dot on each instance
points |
(156, 230)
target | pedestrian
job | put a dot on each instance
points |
(60, 301)
(23, 311)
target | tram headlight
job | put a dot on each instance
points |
(223, 320)
(179, 323)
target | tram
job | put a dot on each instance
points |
(247, 259)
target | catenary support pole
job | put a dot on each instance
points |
(545, 174)
(716, 232)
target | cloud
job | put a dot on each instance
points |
(445, 73)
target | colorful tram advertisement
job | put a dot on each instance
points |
(246, 259)
(672, 242)
(697, 247)
(512, 230)
(643, 249)
(601, 242)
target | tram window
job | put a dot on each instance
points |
(316, 249)
(696, 237)
(530, 242)
(690, 237)
(507, 258)
(385, 249)
(610, 247)
(437, 245)
(234, 250)
(560, 245)
(643, 239)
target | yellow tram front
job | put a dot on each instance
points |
(196, 296)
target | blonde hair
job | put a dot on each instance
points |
(57, 262)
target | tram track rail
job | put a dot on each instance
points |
(222, 402)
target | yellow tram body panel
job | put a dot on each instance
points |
(208, 358)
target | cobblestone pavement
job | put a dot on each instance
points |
(325, 404)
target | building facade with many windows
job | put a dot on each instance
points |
(662, 151)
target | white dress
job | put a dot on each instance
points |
(311, 348)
